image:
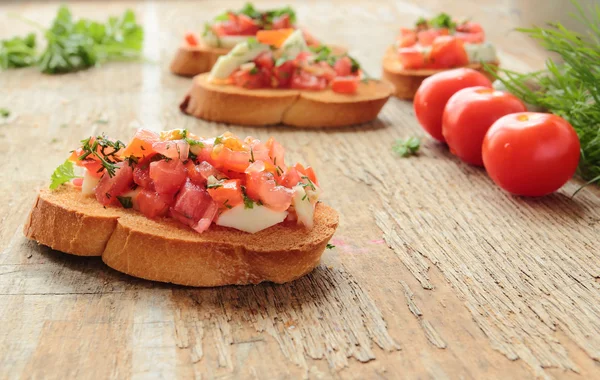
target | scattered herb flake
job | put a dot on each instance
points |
(407, 147)
(330, 246)
(126, 202)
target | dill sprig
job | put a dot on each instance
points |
(568, 87)
(105, 150)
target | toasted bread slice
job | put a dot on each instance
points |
(298, 108)
(193, 60)
(407, 82)
(162, 250)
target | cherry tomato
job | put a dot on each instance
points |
(434, 92)
(448, 52)
(343, 67)
(530, 153)
(469, 114)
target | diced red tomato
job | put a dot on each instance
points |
(109, 187)
(282, 22)
(472, 38)
(237, 25)
(345, 85)
(191, 39)
(426, 37)
(168, 176)
(276, 152)
(261, 186)
(141, 144)
(141, 177)
(229, 194)
(151, 204)
(283, 73)
(469, 27)
(78, 182)
(343, 67)
(265, 60)
(290, 178)
(247, 24)
(303, 57)
(94, 167)
(411, 58)
(177, 149)
(327, 71)
(198, 174)
(407, 38)
(248, 79)
(303, 80)
(448, 52)
(310, 39)
(308, 171)
(194, 207)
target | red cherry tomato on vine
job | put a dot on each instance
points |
(469, 114)
(530, 153)
(434, 92)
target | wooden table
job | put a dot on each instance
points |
(437, 273)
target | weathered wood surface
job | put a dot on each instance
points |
(437, 273)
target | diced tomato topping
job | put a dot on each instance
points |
(228, 194)
(261, 186)
(282, 22)
(168, 176)
(199, 174)
(291, 178)
(411, 58)
(151, 204)
(237, 25)
(472, 38)
(276, 152)
(345, 85)
(141, 144)
(283, 73)
(407, 38)
(310, 39)
(109, 187)
(172, 149)
(191, 39)
(94, 167)
(308, 172)
(448, 51)
(78, 182)
(343, 67)
(255, 78)
(427, 36)
(265, 60)
(194, 207)
(141, 177)
(303, 80)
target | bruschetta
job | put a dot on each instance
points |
(434, 45)
(177, 208)
(278, 79)
(198, 54)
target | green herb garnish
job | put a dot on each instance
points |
(105, 150)
(330, 246)
(443, 20)
(18, 52)
(254, 70)
(63, 174)
(569, 89)
(4, 113)
(218, 140)
(407, 147)
(125, 201)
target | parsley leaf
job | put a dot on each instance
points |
(443, 20)
(407, 147)
(18, 52)
(125, 201)
(63, 174)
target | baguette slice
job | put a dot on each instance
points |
(407, 82)
(298, 108)
(193, 60)
(162, 250)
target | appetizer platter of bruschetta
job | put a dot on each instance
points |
(433, 45)
(216, 189)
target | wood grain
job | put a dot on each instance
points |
(436, 272)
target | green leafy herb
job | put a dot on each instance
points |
(443, 20)
(105, 150)
(569, 89)
(407, 147)
(330, 246)
(18, 52)
(125, 201)
(77, 45)
(193, 142)
(248, 203)
(254, 70)
(4, 113)
(218, 140)
(63, 174)
(309, 183)
(252, 42)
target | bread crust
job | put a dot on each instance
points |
(407, 82)
(163, 250)
(193, 60)
(307, 109)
